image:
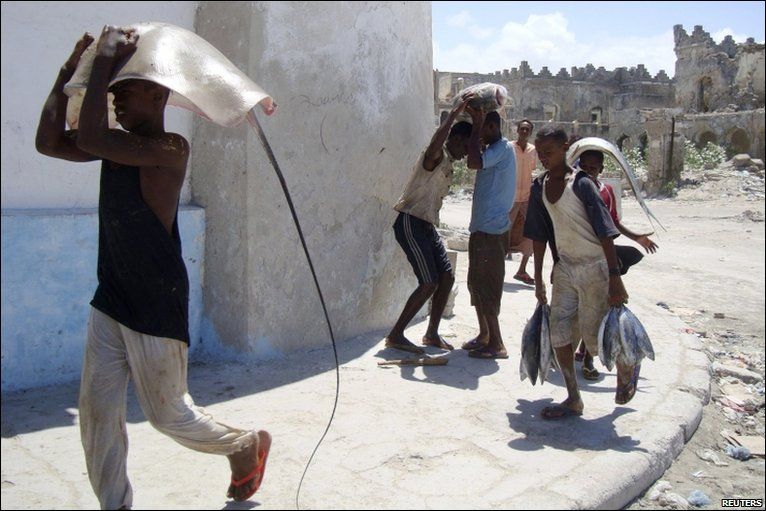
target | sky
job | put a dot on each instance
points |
(485, 37)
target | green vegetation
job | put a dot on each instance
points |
(634, 158)
(697, 160)
(462, 176)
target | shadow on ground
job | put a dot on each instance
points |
(570, 433)
(209, 383)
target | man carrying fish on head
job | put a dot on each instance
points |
(567, 213)
(415, 229)
(493, 194)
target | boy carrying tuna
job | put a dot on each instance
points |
(567, 213)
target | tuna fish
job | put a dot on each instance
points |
(529, 363)
(547, 355)
(606, 147)
(622, 337)
(609, 338)
(489, 96)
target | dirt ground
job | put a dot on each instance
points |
(709, 271)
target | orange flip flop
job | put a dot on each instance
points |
(260, 468)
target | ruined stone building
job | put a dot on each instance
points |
(716, 95)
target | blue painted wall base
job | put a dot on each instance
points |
(48, 279)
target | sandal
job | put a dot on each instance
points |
(589, 373)
(525, 278)
(486, 352)
(558, 412)
(405, 347)
(257, 473)
(473, 344)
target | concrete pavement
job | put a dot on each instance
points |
(467, 435)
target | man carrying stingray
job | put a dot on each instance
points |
(138, 325)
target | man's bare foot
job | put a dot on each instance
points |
(248, 466)
(476, 343)
(567, 408)
(400, 342)
(627, 383)
(437, 341)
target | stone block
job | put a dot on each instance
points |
(742, 160)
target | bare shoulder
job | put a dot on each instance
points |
(177, 142)
(177, 149)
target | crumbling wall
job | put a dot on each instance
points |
(665, 149)
(739, 132)
(584, 100)
(712, 77)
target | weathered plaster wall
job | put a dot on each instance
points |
(37, 38)
(725, 126)
(355, 89)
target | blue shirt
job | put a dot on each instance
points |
(494, 189)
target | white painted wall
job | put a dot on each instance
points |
(354, 84)
(37, 38)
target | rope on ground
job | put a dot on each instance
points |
(255, 125)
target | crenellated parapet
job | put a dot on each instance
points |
(699, 37)
(714, 76)
(588, 73)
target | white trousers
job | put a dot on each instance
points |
(157, 365)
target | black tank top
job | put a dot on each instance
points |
(142, 280)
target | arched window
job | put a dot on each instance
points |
(705, 137)
(739, 142)
(551, 112)
(596, 114)
(703, 94)
(623, 142)
(643, 144)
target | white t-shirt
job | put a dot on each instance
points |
(424, 194)
(576, 240)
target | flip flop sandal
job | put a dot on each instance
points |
(473, 345)
(525, 278)
(257, 473)
(487, 353)
(561, 412)
(437, 343)
(590, 374)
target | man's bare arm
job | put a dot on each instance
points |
(538, 250)
(434, 152)
(95, 137)
(642, 239)
(617, 293)
(52, 137)
(474, 143)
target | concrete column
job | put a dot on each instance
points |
(662, 167)
(354, 85)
